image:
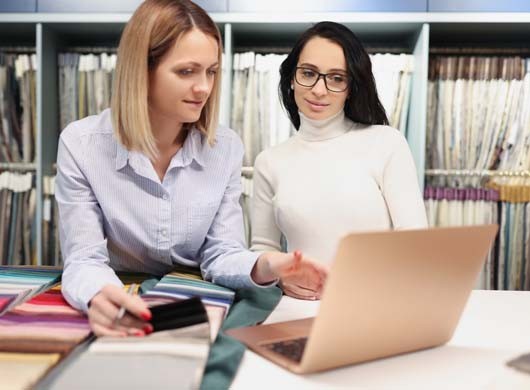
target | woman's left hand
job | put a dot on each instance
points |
(300, 277)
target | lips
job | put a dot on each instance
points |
(316, 106)
(313, 103)
(194, 103)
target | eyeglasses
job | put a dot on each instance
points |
(334, 82)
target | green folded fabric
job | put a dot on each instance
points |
(251, 307)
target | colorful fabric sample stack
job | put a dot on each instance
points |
(182, 285)
(46, 323)
(18, 284)
(36, 327)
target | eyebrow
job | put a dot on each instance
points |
(196, 64)
(308, 65)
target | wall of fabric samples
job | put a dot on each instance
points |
(429, 71)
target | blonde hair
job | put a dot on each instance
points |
(150, 33)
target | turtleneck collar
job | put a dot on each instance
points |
(324, 129)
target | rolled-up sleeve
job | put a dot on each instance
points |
(83, 243)
(223, 257)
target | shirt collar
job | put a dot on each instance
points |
(122, 155)
(194, 148)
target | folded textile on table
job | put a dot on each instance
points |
(45, 323)
(179, 285)
(18, 284)
(22, 370)
(180, 349)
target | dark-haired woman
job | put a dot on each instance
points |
(346, 169)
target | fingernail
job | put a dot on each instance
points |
(146, 315)
(138, 333)
(148, 329)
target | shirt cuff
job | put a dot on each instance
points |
(250, 281)
(79, 289)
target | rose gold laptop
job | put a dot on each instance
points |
(387, 293)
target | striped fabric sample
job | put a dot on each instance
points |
(45, 327)
(18, 284)
(45, 323)
(182, 286)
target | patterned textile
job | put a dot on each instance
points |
(18, 284)
(45, 323)
(184, 285)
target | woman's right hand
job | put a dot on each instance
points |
(105, 306)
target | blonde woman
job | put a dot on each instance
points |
(153, 182)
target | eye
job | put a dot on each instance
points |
(308, 73)
(337, 78)
(212, 72)
(185, 72)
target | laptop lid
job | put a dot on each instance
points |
(394, 292)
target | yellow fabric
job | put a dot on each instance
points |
(512, 193)
(183, 271)
(22, 370)
(186, 275)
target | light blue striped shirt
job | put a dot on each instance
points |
(115, 214)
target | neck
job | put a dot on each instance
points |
(321, 130)
(168, 133)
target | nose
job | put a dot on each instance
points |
(319, 89)
(201, 85)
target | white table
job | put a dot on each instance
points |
(494, 328)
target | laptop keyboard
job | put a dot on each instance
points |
(291, 349)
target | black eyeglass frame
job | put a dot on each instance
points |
(323, 76)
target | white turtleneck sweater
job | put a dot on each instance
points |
(332, 178)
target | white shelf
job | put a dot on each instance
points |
(63, 18)
(303, 17)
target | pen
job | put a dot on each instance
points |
(121, 312)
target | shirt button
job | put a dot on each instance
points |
(165, 196)
(163, 232)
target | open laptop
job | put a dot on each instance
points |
(387, 293)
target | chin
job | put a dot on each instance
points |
(328, 113)
(317, 115)
(190, 118)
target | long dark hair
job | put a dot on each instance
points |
(362, 104)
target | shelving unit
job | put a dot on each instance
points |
(413, 32)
